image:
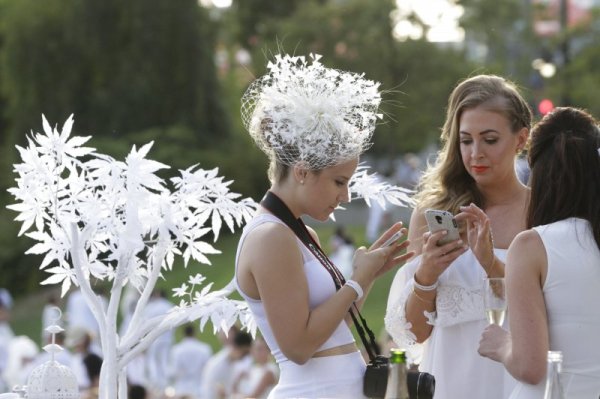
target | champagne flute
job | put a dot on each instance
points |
(494, 299)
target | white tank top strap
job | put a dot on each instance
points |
(257, 221)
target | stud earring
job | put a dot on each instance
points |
(301, 181)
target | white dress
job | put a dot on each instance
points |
(157, 354)
(188, 358)
(450, 352)
(572, 295)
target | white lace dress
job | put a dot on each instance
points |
(450, 353)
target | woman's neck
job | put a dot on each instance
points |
(288, 196)
(503, 194)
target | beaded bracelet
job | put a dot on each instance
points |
(425, 287)
(356, 287)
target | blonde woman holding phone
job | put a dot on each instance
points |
(435, 306)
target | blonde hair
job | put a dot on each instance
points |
(446, 184)
(277, 171)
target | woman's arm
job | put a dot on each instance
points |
(434, 260)
(523, 352)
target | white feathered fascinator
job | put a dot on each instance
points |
(302, 112)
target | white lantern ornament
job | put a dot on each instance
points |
(52, 380)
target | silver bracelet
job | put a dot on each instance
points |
(425, 287)
(356, 287)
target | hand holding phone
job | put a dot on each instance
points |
(442, 220)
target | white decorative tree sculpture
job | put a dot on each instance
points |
(94, 216)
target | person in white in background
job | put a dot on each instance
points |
(3, 364)
(157, 355)
(79, 341)
(342, 251)
(216, 369)
(261, 377)
(80, 315)
(188, 358)
(6, 333)
(136, 369)
(6, 298)
(21, 351)
(50, 316)
(239, 361)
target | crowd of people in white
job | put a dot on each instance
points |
(184, 368)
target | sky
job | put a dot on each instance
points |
(440, 16)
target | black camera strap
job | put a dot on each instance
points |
(278, 208)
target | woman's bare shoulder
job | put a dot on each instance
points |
(269, 235)
(527, 240)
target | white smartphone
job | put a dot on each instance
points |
(442, 220)
(392, 239)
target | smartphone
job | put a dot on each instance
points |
(392, 239)
(442, 220)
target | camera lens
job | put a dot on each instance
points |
(420, 385)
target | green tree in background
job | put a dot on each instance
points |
(577, 79)
(504, 31)
(119, 66)
(131, 72)
(255, 17)
(415, 75)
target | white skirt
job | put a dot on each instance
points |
(339, 376)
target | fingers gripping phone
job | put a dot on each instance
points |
(442, 220)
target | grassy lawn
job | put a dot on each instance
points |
(26, 316)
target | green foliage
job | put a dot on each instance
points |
(574, 82)
(425, 87)
(120, 67)
(253, 17)
(580, 86)
(18, 272)
(415, 75)
(130, 71)
(505, 32)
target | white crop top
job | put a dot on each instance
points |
(320, 288)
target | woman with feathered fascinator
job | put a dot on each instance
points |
(313, 123)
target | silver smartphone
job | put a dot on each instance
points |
(392, 239)
(442, 220)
